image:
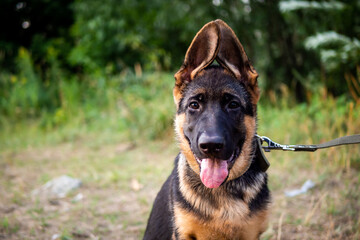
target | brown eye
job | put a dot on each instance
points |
(233, 105)
(194, 105)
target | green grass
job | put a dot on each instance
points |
(129, 106)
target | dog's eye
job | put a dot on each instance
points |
(194, 105)
(233, 105)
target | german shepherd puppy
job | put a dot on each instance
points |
(218, 189)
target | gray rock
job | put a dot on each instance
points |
(58, 187)
(304, 188)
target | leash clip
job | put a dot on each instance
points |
(274, 145)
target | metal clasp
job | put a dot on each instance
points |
(274, 145)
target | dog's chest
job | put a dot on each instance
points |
(215, 217)
(227, 226)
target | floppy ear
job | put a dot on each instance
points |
(232, 56)
(200, 54)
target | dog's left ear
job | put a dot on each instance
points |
(200, 54)
(232, 56)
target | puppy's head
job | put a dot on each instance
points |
(216, 105)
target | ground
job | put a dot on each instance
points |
(121, 179)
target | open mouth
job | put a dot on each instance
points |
(213, 171)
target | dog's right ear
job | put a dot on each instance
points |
(202, 52)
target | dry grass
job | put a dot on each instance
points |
(121, 181)
(328, 211)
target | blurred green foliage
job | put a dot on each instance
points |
(58, 60)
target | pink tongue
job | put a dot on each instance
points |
(213, 172)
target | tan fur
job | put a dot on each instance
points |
(184, 145)
(242, 163)
(230, 221)
(239, 210)
(189, 226)
(177, 95)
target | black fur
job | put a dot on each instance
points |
(160, 224)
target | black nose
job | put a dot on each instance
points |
(211, 144)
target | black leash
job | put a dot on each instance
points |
(353, 139)
(264, 163)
